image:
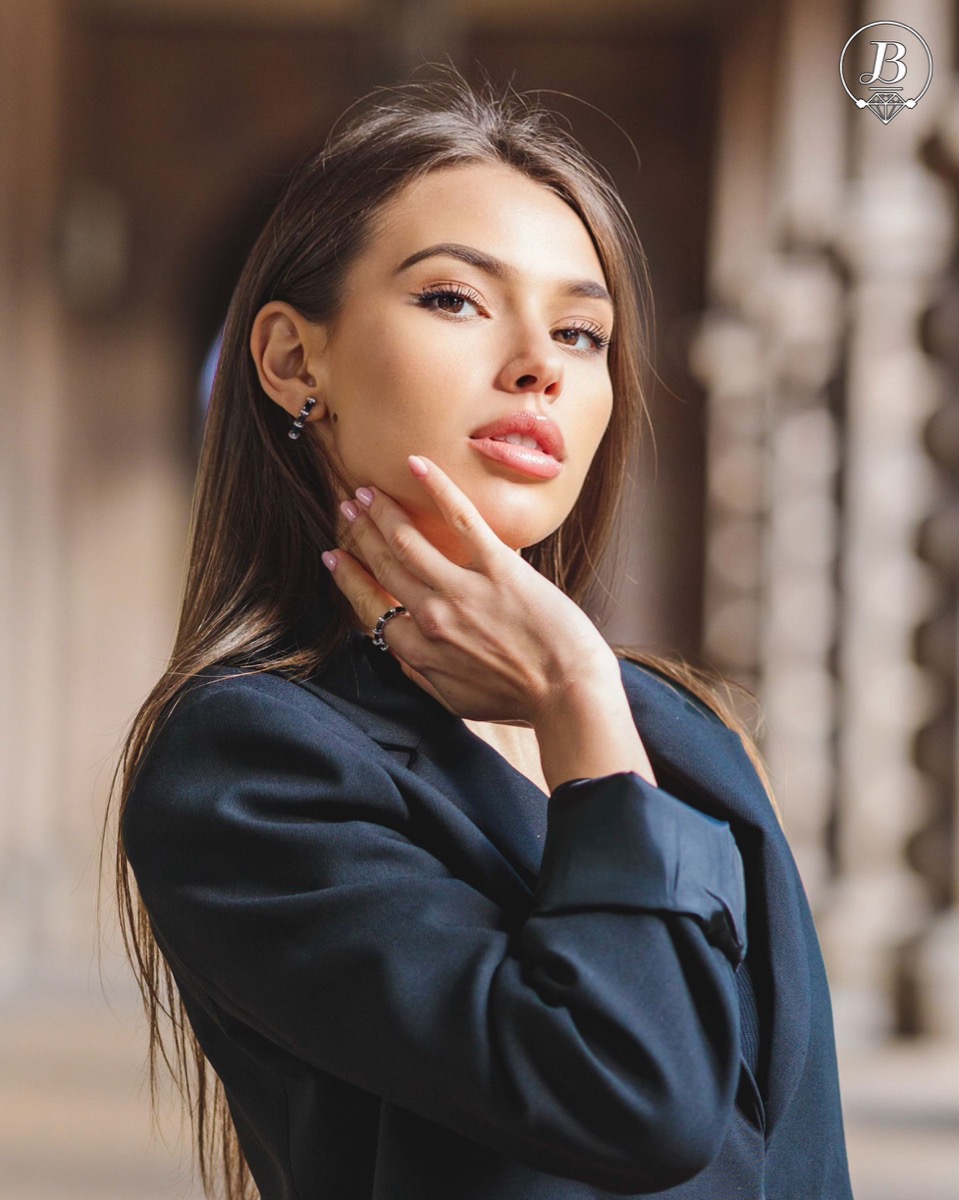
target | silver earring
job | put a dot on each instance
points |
(300, 420)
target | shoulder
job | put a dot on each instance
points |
(239, 748)
(221, 690)
(697, 751)
(643, 682)
(226, 705)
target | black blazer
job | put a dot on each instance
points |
(419, 978)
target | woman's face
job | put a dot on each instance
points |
(477, 311)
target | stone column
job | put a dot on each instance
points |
(769, 351)
(799, 302)
(728, 354)
(935, 849)
(803, 331)
(897, 233)
(32, 701)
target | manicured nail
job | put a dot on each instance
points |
(417, 466)
(350, 511)
(365, 496)
(329, 559)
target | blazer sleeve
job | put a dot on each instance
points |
(596, 1036)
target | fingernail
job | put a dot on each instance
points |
(329, 559)
(350, 511)
(417, 466)
(365, 496)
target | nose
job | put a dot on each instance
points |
(535, 366)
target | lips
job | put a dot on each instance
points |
(526, 442)
(524, 428)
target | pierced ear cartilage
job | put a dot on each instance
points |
(300, 421)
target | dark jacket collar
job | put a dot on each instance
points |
(369, 686)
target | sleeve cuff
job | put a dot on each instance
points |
(617, 841)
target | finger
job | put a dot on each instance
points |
(367, 597)
(370, 601)
(405, 560)
(459, 512)
(386, 560)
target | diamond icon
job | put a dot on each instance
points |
(886, 105)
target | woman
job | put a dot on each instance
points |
(468, 917)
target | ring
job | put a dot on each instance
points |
(377, 631)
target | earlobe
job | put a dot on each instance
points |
(284, 349)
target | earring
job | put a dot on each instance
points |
(300, 421)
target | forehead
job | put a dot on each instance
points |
(494, 208)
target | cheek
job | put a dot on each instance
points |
(390, 402)
(397, 375)
(593, 421)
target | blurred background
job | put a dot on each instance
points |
(796, 523)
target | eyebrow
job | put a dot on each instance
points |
(587, 288)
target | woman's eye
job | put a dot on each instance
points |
(454, 302)
(582, 337)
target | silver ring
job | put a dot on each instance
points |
(377, 631)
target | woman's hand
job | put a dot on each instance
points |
(492, 640)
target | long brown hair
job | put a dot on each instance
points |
(262, 514)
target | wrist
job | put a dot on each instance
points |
(586, 730)
(592, 679)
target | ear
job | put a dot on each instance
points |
(287, 351)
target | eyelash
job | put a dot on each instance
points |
(460, 292)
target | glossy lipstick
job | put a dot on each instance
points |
(544, 461)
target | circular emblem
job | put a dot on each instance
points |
(885, 67)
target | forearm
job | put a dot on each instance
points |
(588, 731)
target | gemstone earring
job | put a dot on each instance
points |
(300, 420)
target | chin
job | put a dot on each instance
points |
(520, 515)
(514, 533)
(518, 534)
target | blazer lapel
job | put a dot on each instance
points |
(369, 688)
(501, 801)
(706, 765)
(375, 694)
